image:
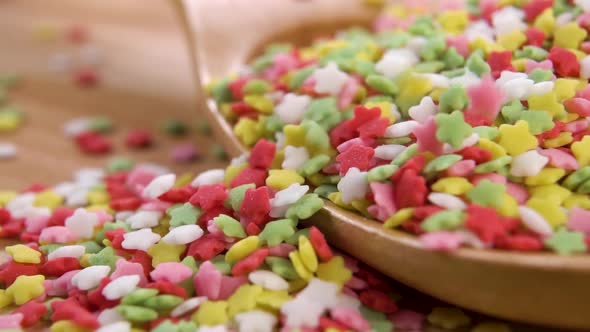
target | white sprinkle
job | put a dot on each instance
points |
(534, 221)
(159, 185)
(329, 79)
(256, 321)
(82, 223)
(389, 151)
(424, 110)
(116, 327)
(211, 176)
(142, 239)
(144, 219)
(120, 287)
(401, 129)
(353, 185)
(188, 305)
(447, 201)
(7, 150)
(75, 251)
(291, 109)
(268, 280)
(529, 163)
(183, 234)
(283, 199)
(90, 277)
(295, 157)
(76, 126)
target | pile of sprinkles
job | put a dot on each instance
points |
(466, 127)
(139, 250)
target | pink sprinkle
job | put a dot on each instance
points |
(208, 281)
(282, 63)
(351, 318)
(426, 137)
(408, 320)
(281, 250)
(35, 225)
(57, 234)
(584, 20)
(383, 194)
(580, 106)
(560, 159)
(351, 263)
(171, 271)
(441, 241)
(460, 43)
(138, 178)
(530, 65)
(485, 102)
(352, 142)
(584, 93)
(579, 220)
(11, 321)
(229, 285)
(126, 268)
(356, 283)
(585, 47)
(103, 216)
(347, 93)
(576, 126)
(185, 153)
(155, 205)
(493, 177)
(461, 168)
(349, 292)
(517, 191)
(61, 285)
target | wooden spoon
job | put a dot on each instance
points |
(541, 288)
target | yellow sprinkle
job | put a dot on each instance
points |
(494, 148)
(98, 197)
(362, 206)
(243, 299)
(386, 109)
(512, 40)
(163, 252)
(232, 171)
(546, 22)
(211, 313)
(581, 150)
(547, 102)
(454, 21)
(23, 254)
(184, 179)
(399, 217)
(569, 117)
(242, 249)
(272, 300)
(6, 196)
(297, 285)
(553, 192)
(452, 185)
(516, 139)
(9, 123)
(334, 271)
(85, 259)
(278, 159)
(550, 210)
(564, 138)
(569, 35)
(26, 288)
(281, 178)
(509, 207)
(519, 64)
(307, 254)
(299, 266)
(294, 135)
(565, 88)
(480, 43)
(579, 200)
(5, 300)
(247, 131)
(67, 326)
(546, 176)
(336, 198)
(260, 103)
(48, 198)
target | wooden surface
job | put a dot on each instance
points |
(146, 78)
(541, 288)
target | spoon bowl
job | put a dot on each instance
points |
(540, 288)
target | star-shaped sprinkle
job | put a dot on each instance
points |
(357, 156)
(529, 163)
(104, 257)
(581, 150)
(256, 321)
(159, 185)
(185, 214)
(538, 121)
(278, 231)
(23, 254)
(485, 102)
(452, 129)
(565, 242)
(295, 157)
(142, 239)
(487, 193)
(569, 35)
(426, 137)
(329, 79)
(284, 198)
(305, 207)
(82, 223)
(395, 62)
(162, 252)
(424, 110)
(291, 109)
(443, 220)
(516, 139)
(334, 271)
(229, 226)
(512, 112)
(353, 185)
(26, 288)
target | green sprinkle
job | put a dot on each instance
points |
(453, 99)
(512, 112)
(91, 247)
(381, 173)
(185, 214)
(120, 164)
(477, 65)
(441, 163)
(584, 188)
(314, 165)
(377, 320)
(220, 264)
(487, 193)
(294, 239)
(565, 242)
(532, 52)
(230, 226)
(493, 165)
(486, 132)
(218, 152)
(299, 77)
(325, 189)
(174, 127)
(574, 180)
(364, 68)
(398, 140)
(454, 73)
(382, 84)
(109, 226)
(236, 195)
(540, 75)
(104, 257)
(405, 155)
(278, 231)
(443, 220)
(315, 135)
(452, 128)
(139, 296)
(101, 125)
(538, 121)
(49, 248)
(163, 302)
(220, 91)
(452, 59)
(393, 39)
(282, 267)
(136, 314)
(305, 207)
(166, 326)
(256, 87)
(190, 262)
(429, 67)
(323, 111)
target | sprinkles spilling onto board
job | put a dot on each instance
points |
(467, 127)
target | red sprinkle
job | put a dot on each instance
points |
(70, 310)
(534, 8)
(565, 62)
(262, 154)
(486, 223)
(139, 138)
(500, 61)
(378, 301)
(249, 175)
(255, 205)
(250, 263)
(535, 37)
(209, 196)
(32, 312)
(358, 156)
(320, 245)
(206, 247)
(86, 77)
(11, 270)
(411, 190)
(93, 143)
(58, 266)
